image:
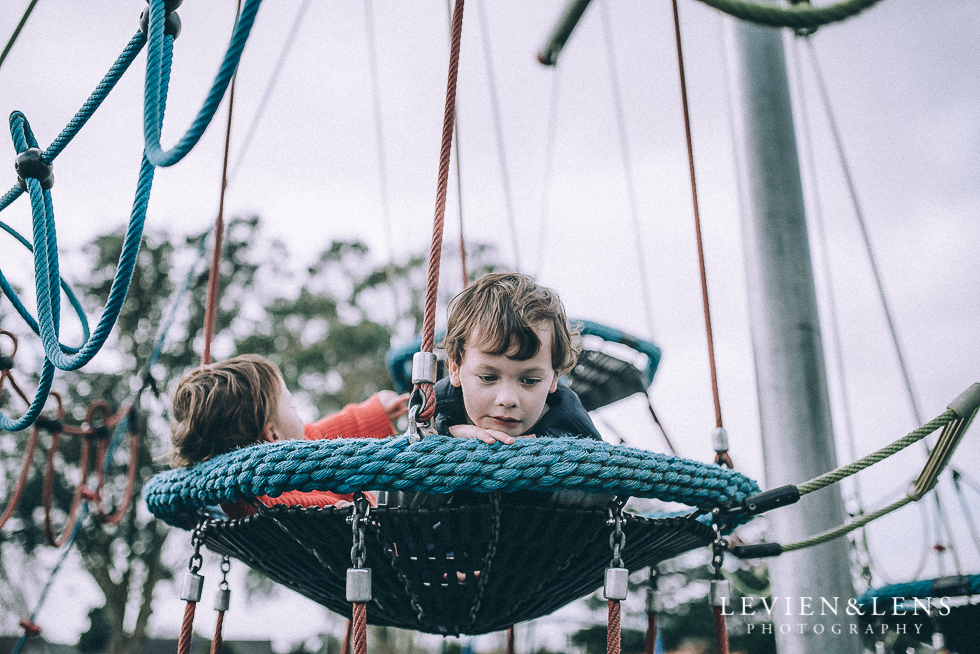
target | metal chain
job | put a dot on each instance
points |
(617, 539)
(194, 565)
(225, 569)
(718, 548)
(392, 557)
(360, 510)
(491, 552)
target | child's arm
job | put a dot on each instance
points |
(372, 418)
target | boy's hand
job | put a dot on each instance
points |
(395, 405)
(488, 436)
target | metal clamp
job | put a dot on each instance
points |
(720, 591)
(425, 366)
(417, 429)
(617, 580)
(190, 590)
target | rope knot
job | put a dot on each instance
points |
(90, 495)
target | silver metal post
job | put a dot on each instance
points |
(797, 434)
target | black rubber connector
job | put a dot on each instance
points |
(171, 24)
(772, 499)
(30, 165)
(757, 551)
(6, 363)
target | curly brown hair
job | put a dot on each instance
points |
(507, 308)
(223, 406)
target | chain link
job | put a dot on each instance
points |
(360, 510)
(718, 548)
(225, 569)
(617, 538)
(196, 540)
(491, 552)
(413, 599)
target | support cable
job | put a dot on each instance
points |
(627, 165)
(214, 275)
(967, 513)
(872, 259)
(499, 133)
(13, 37)
(697, 221)
(372, 51)
(549, 156)
(269, 88)
(435, 256)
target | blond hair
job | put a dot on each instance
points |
(223, 406)
(507, 308)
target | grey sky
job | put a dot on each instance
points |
(907, 97)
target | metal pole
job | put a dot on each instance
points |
(797, 434)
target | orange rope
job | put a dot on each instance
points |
(697, 221)
(22, 480)
(131, 469)
(187, 629)
(721, 632)
(347, 638)
(510, 640)
(217, 642)
(214, 274)
(614, 632)
(359, 630)
(432, 282)
(651, 639)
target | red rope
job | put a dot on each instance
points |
(47, 498)
(216, 643)
(651, 640)
(347, 638)
(721, 632)
(187, 629)
(359, 629)
(510, 640)
(614, 632)
(214, 274)
(25, 469)
(435, 255)
(697, 221)
(131, 469)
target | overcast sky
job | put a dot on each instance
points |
(903, 82)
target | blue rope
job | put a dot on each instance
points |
(8, 291)
(154, 92)
(910, 589)
(439, 465)
(54, 573)
(47, 278)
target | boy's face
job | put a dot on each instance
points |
(288, 425)
(502, 393)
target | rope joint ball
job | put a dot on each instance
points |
(30, 164)
(171, 24)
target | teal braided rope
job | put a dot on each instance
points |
(798, 16)
(440, 465)
(837, 532)
(81, 117)
(46, 254)
(11, 294)
(846, 471)
(154, 91)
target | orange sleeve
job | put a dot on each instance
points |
(365, 420)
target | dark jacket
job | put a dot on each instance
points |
(565, 417)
